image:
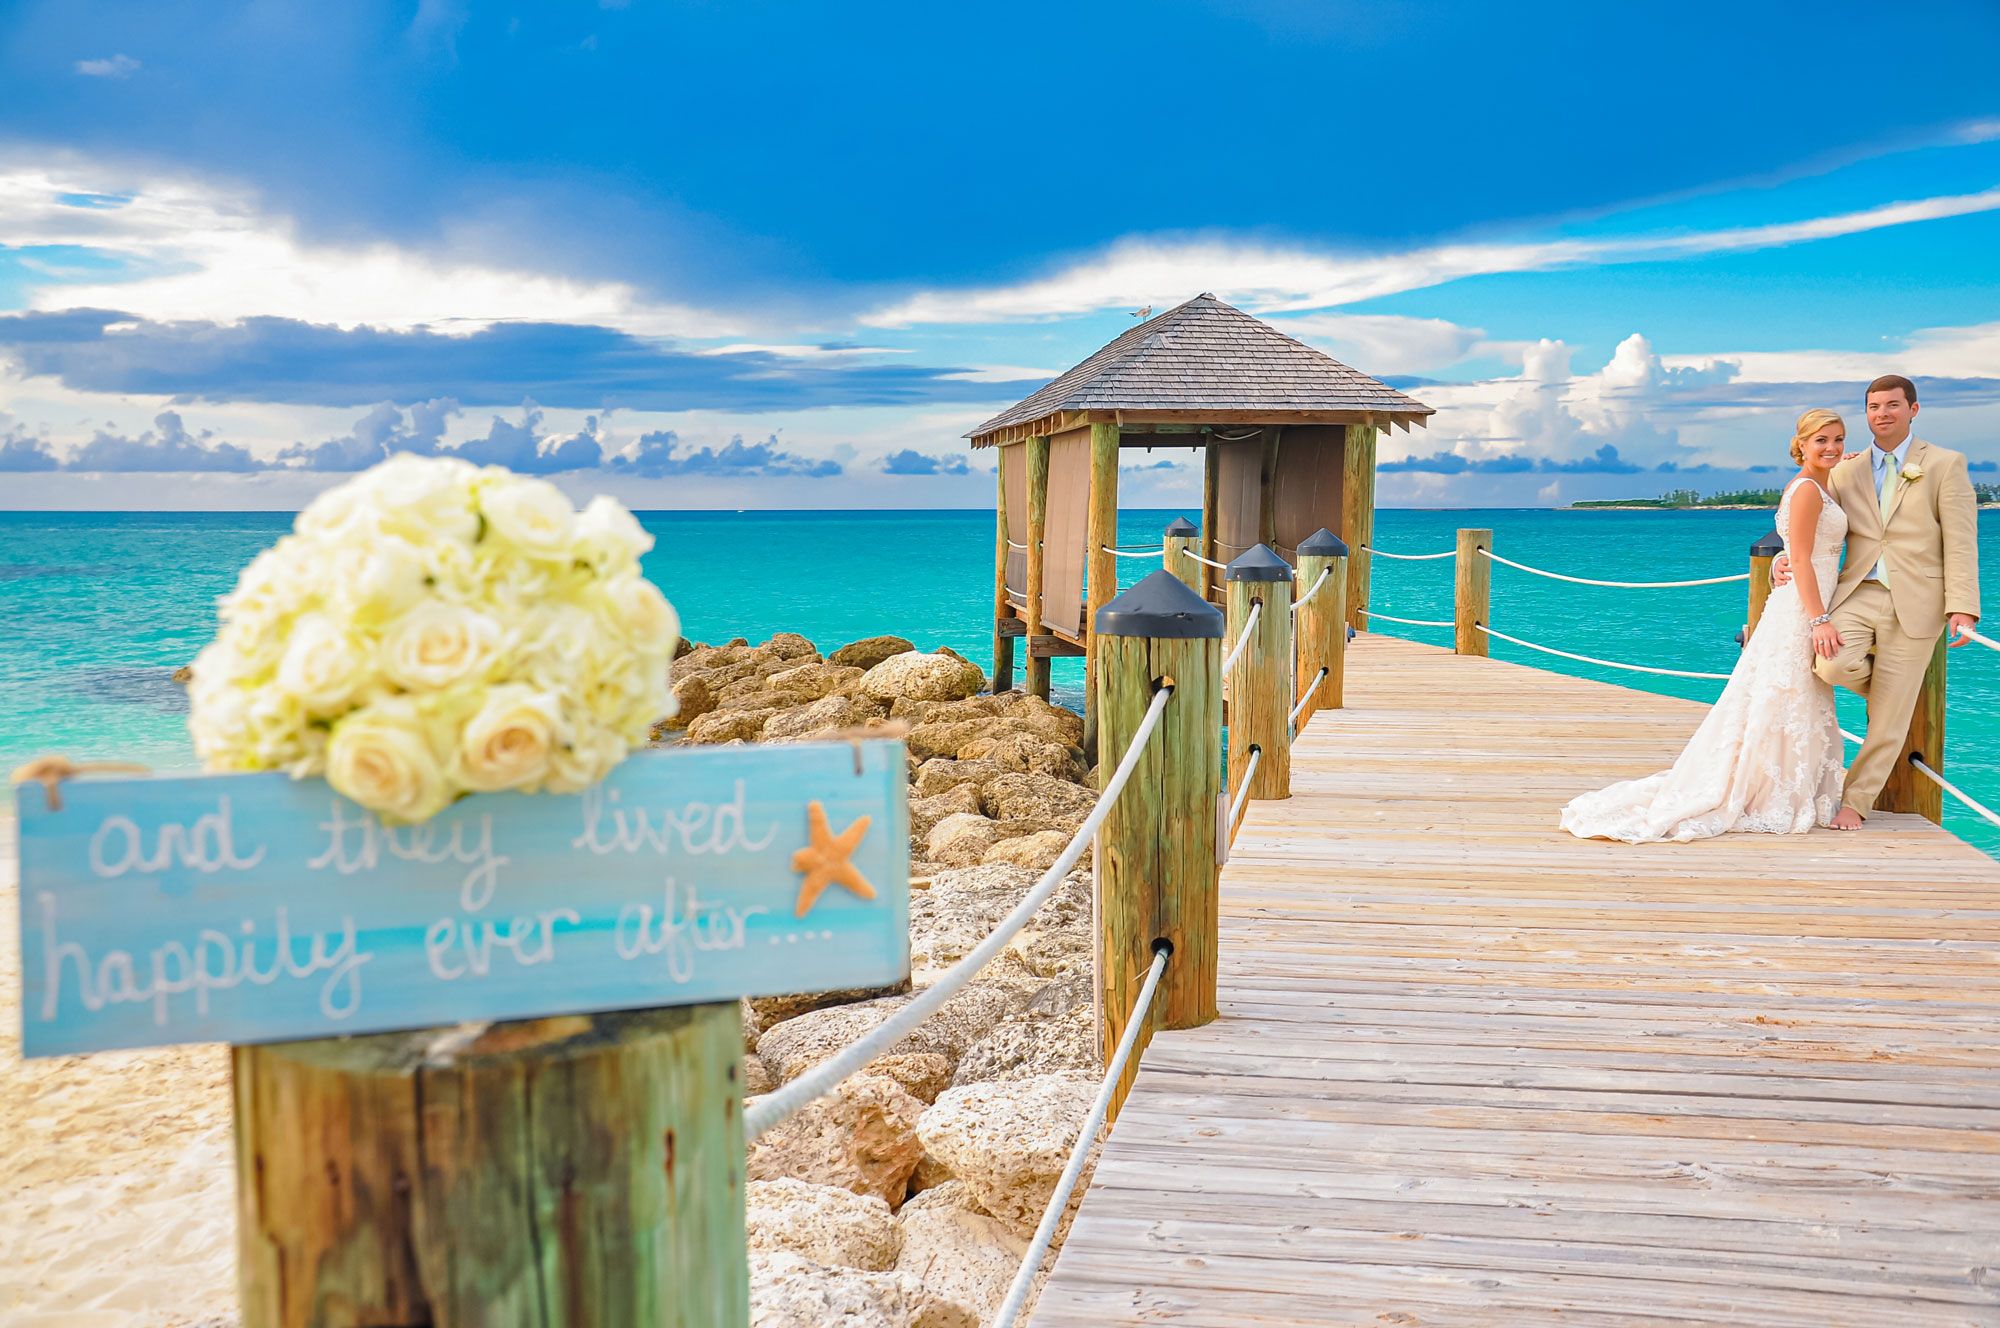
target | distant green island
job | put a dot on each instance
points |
(1681, 500)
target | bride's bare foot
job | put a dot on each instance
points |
(1846, 819)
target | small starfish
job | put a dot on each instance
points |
(825, 860)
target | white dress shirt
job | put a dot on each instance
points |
(1884, 463)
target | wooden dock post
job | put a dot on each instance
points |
(1761, 554)
(1357, 517)
(1003, 606)
(1261, 689)
(1156, 854)
(1908, 790)
(1183, 537)
(1100, 582)
(1038, 524)
(1474, 595)
(566, 1171)
(1320, 625)
(1211, 516)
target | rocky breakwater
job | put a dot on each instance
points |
(905, 1198)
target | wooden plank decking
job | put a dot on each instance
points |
(1472, 1071)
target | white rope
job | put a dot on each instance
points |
(1045, 1233)
(1132, 553)
(1249, 628)
(1313, 591)
(1206, 562)
(1243, 794)
(1410, 557)
(1602, 663)
(1986, 641)
(1854, 738)
(780, 1104)
(1021, 548)
(1620, 585)
(1408, 622)
(1307, 698)
(1954, 790)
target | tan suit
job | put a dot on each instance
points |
(1887, 633)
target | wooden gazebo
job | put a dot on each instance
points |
(1287, 433)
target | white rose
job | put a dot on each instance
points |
(421, 497)
(379, 576)
(338, 513)
(378, 757)
(588, 757)
(531, 515)
(509, 742)
(609, 536)
(435, 644)
(324, 666)
(649, 621)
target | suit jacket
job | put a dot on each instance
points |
(1931, 540)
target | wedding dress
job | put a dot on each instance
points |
(1768, 756)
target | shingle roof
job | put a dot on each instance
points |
(1207, 355)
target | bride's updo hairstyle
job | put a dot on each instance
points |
(1811, 423)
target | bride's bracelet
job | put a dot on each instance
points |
(1823, 619)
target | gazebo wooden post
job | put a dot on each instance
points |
(1003, 608)
(1211, 497)
(1181, 538)
(1267, 486)
(1357, 517)
(1038, 524)
(1101, 569)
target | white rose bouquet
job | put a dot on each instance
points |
(433, 628)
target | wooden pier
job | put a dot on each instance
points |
(1470, 1070)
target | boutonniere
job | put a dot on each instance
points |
(1912, 473)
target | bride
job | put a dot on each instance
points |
(1768, 756)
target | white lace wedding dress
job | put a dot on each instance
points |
(1768, 756)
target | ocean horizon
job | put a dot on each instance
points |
(105, 605)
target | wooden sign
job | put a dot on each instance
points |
(253, 908)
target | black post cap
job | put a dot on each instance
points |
(1161, 605)
(1180, 525)
(1259, 564)
(1322, 543)
(1770, 546)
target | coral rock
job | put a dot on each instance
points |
(867, 653)
(939, 677)
(1056, 804)
(825, 1223)
(795, 1046)
(829, 712)
(1009, 1141)
(923, 1074)
(925, 813)
(771, 1011)
(859, 1137)
(1037, 852)
(790, 645)
(730, 725)
(943, 774)
(957, 1250)
(1025, 752)
(790, 1291)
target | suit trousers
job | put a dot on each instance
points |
(1880, 661)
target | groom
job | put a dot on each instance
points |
(1912, 568)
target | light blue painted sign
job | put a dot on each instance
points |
(253, 908)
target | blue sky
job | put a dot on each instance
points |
(784, 255)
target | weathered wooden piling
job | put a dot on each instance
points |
(1474, 592)
(1908, 789)
(1003, 607)
(1261, 689)
(1357, 516)
(1038, 524)
(1761, 554)
(1101, 574)
(1181, 539)
(569, 1171)
(1156, 851)
(1320, 625)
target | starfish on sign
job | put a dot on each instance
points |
(826, 860)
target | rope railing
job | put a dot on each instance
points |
(1100, 1107)
(1300, 602)
(1243, 793)
(1617, 585)
(1205, 562)
(1408, 557)
(1018, 548)
(780, 1104)
(1982, 809)
(1132, 553)
(1249, 630)
(1983, 640)
(1601, 663)
(1306, 696)
(1408, 622)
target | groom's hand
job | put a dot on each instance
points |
(1781, 570)
(1960, 623)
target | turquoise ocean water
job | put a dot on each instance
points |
(97, 609)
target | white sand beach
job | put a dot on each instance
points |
(118, 1201)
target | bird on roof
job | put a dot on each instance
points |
(1143, 312)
